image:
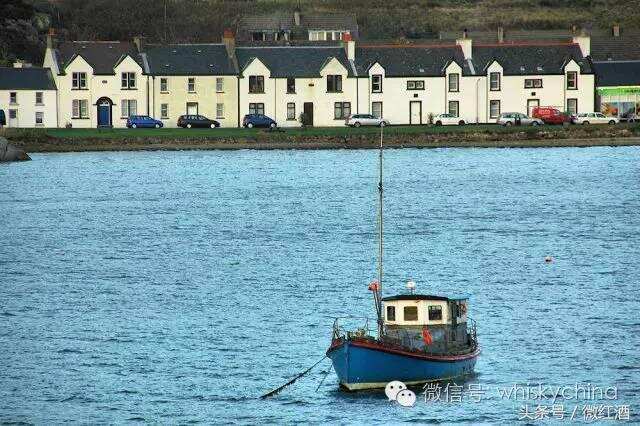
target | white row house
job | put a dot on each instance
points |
(28, 97)
(100, 84)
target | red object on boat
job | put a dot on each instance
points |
(426, 336)
(374, 286)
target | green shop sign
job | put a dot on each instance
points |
(618, 91)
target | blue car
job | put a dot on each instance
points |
(136, 121)
(258, 120)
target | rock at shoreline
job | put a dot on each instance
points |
(11, 153)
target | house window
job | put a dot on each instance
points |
(376, 83)
(411, 313)
(128, 80)
(341, 110)
(291, 111)
(192, 108)
(494, 81)
(391, 313)
(415, 85)
(79, 108)
(219, 110)
(164, 111)
(39, 118)
(494, 109)
(39, 98)
(453, 108)
(435, 313)
(376, 109)
(531, 83)
(164, 85)
(79, 80)
(13, 97)
(191, 85)
(256, 84)
(334, 83)
(13, 114)
(219, 84)
(257, 108)
(129, 108)
(572, 106)
(291, 85)
(572, 80)
(454, 80)
(257, 36)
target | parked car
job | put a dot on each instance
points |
(3, 118)
(518, 119)
(550, 115)
(594, 118)
(447, 119)
(136, 121)
(357, 120)
(190, 121)
(258, 120)
(631, 118)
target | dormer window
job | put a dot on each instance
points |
(391, 313)
(411, 313)
(128, 80)
(256, 84)
(164, 85)
(572, 80)
(376, 83)
(291, 85)
(79, 80)
(334, 83)
(454, 82)
(494, 81)
(435, 313)
(191, 85)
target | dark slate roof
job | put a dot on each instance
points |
(529, 58)
(409, 61)
(189, 59)
(626, 47)
(26, 79)
(293, 61)
(103, 56)
(310, 21)
(421, 297)
(509, 35)
(617, 73)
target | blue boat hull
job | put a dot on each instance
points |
(369, 365)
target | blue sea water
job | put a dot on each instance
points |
(177, 287)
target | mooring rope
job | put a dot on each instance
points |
(290, 382)
(325, 376)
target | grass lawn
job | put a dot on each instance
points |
(251, 133)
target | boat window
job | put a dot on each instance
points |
(411, 313)
(435, 313)
(391, 313)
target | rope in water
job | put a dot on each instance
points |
(290, 382)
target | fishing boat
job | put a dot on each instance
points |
(420, 338)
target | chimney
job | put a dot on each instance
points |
(138, 41)
(574, 29)
(616, 30)
(350, 46)
(465, 33)
(229, 41)
(51, 38)
(296, 16)
(500, 35)
(466, 45)
(584, 41)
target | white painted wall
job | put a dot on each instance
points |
(26, 108)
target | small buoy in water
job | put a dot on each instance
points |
(548, 259)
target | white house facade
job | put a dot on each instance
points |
(28, 97)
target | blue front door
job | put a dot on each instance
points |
(104, 114)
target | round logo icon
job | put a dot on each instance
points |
(406, 398)
(393, 388)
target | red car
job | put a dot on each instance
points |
(551, 115)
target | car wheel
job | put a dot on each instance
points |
(535, 123)
(438, 123)
(250, 125)
(461, 123)
(612, 122)
(585, 122)
(134, 126)
(188, 125)
(382, 124)
(157, 126)
(213, 125)
(272, 125)
(508, 123)
(357, 124)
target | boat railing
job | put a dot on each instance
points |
(472, 332)
(343, 327)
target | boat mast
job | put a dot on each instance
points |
(380, 246)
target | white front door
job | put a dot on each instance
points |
(415, 112)
(13, 118)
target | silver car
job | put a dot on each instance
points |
(514, 118)
(357, 120)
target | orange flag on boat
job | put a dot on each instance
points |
(374, 286)
(426, 336)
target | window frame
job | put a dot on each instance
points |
(456, 77)
(494, 102)
(391, 310)
(256, 84)
(375, 77)
(334, 83)
(289, 106)
(41, 96)
(291, 85)
(164, 111)
(576, 109)
(381, 109)
(219, 110)
(434, 309)
(41, 114)
(128, 103)
(342, 107)
(191, 85)
(79, 80)
(128, 80)
(575, 81)
(165, 81)
(13, 98)
(219, 85)
(256, 107)
(457, 104)
(498, 82)
(80, 103)
(410, 317)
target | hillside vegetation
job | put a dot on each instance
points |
(25, 22)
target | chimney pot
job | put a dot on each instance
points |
(296, 17)
(500, 35)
